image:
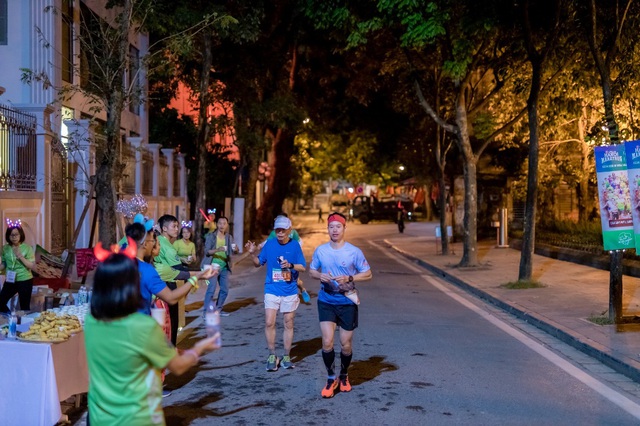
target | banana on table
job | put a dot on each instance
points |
(49, 327)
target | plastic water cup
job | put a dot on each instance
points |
(215, 266)
(353, 296)
(158, 315)
(234, 247)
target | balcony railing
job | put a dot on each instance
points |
(17, 150)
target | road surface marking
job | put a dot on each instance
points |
(612, 395)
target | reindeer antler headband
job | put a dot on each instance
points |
(102, 254)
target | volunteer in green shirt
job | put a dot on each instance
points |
(184, 246)
(168, 256)
(17, 261)
(127, 350)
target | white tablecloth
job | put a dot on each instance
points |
(37, 376)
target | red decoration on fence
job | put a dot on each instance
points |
(85, 261)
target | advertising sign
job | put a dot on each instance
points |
(632, 150)
(615, 197)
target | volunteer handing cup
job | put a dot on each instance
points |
(158, 315)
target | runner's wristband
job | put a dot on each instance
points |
(193, 281)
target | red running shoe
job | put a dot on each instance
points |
(345, 386)
(329, 389)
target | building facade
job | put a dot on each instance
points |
(48, 142)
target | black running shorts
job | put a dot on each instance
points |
(345, 316)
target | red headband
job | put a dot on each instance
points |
(336, 218)
(102, 253)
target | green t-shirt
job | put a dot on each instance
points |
(168, 254)
(12, 263)
(220, 257)
(184, 249)
(125, 358)
(167, 273)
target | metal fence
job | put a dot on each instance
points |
(17, 150)
(163, 183)
(176, 176)
(129, 172)
(147, 173)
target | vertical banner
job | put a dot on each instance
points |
(632, 150)
(615, 199)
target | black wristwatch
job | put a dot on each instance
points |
(350, 278)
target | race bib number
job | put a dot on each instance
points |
(276, 275)
(11, 276)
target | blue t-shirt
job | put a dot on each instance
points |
(150, 284)
(347, 260)
(272, 250)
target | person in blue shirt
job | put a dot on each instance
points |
(283, 258)
(150, 282)
(338, 265)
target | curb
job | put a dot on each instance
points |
(599, 353)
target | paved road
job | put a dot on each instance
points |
(425, 353)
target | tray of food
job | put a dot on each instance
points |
(49, 327)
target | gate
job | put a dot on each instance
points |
(59, 198)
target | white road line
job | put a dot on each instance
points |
(615, 397)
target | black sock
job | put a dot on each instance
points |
(345, 361)
(328, 358)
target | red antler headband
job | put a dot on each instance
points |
(12, 224)
(101, 253)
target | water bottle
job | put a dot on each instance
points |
(13, 325)
(80, 296)
(286, 272)
(212, 322)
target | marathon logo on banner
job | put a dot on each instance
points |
(615, 197)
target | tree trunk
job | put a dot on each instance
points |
(202, 141)
(470, 221)
(529, 236)
(585, 203)
(106, 205)
(442, 199)
(250, 211)
(279, 181)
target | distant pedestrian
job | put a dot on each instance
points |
(320, 215)
(283, 257)
(338, 265)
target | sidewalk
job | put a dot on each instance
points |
(572, 294)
